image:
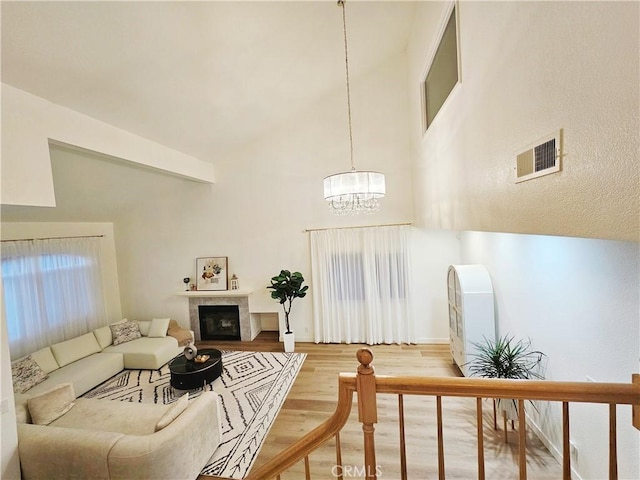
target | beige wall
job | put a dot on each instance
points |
(29, 123)
(578, 300)
(9, 439)
(265, 195)
(529, 69)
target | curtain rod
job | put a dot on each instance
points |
(51, 238)
(361, 226)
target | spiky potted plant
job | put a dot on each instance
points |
(286, 288)
(506, 358)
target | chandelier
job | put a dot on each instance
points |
(354, 191)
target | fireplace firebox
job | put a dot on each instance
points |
(219, 322)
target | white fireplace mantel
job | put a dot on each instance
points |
(249, 321)
(215, 293)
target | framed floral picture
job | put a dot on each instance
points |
(212, 273)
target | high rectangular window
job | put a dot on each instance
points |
(443, 73)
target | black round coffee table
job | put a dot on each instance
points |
(188, 374)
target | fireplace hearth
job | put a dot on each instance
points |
(219, 322)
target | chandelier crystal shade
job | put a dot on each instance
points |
(355, 191)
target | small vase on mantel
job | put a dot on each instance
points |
(289, 342)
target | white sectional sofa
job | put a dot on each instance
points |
(61, 436)
(88, 360)
(106, 439)
(146, 353)
(79, 361)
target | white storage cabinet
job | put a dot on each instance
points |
(471, 313)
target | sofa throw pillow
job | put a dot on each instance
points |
(159, 327)
(52, 404)
(125, 332)
(45, 359)
(144, 327)
(71, 350)
(173, 412)
(26, 373)
(103, 336)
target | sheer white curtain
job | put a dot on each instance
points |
(361, 285)
(52, 291)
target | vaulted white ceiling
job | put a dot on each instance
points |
(199, 77)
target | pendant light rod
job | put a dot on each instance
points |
(346, 64)
(354, 192)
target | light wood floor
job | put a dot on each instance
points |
(313, 397)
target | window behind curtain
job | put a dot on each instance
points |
(52, 291)
(360, 282)
(389, 269)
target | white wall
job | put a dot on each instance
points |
(528, 69)
(578, 300)
(265, 196)
(9, 435)
(23, 230)
(30, 122)
(432, 252)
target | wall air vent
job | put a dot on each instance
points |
(541, 158)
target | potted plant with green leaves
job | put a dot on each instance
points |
(506, 358)
(286, 288)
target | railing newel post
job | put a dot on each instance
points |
(367, 408)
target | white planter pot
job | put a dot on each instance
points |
(508, 407)
(289, 342)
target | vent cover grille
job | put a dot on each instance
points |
(525, 163)
(541, 158)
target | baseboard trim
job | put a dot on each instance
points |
(553, 449)
(437, 341)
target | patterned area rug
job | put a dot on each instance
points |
(253, 387)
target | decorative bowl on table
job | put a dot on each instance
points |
(201, 358)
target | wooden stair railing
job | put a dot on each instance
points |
(367, 384)
(314, 439)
